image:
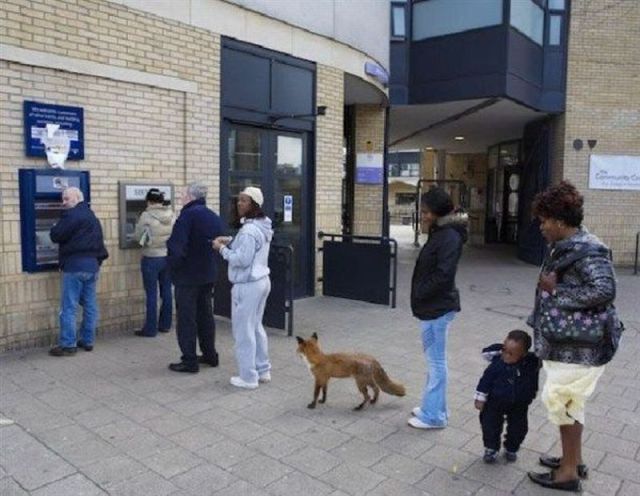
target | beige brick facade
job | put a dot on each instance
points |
(367, 210)
(603, 103)
(153, 116)
(133, 132)
(329, 157)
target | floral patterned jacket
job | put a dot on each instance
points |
(586, 279)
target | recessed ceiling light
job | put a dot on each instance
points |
(429, 148)
(459, 138)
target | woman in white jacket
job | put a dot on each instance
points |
(248, 256)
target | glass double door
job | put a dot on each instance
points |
(277, 162)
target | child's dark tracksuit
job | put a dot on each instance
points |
(507, 390)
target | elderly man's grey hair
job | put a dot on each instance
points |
(197, 190)
(73, 191)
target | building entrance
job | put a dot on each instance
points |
(278, 162)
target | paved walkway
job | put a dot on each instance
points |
(116, 421)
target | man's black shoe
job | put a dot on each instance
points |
(212, 362)
(183, 367)
(59, 351)
(164, 330)
(554, 462)
(142, 334)
(546, 480)
(85, 347)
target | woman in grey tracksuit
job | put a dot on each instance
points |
(248, 255)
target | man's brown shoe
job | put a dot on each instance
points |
(59, 351)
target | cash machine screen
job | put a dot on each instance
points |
(47, 214)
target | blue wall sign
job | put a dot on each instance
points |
(36, 117)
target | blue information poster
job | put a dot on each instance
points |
(369, 168)
(36, 117)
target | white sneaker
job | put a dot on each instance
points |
(419, 424)
(238, 382)
(416, 411)
(265, 377)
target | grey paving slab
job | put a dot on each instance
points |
(312, 461)
(121, 420)
(30, 463)
(171, 462)
(276, 445)
(361, 452)
(296, 483)
(204, 480)
(76, 485)
(352, 478)
(9, 487)
(402, 468)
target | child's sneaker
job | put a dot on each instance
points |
(490, 455)
(511, 456)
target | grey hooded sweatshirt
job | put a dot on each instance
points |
(248, 253)
(158, 221)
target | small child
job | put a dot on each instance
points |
(507, 388)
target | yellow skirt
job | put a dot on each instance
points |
(566, 390)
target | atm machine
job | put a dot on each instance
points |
(40, 208)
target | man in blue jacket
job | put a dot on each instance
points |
(81, 251)
(193, 265)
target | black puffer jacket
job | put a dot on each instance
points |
(79, 234)
(433, 285)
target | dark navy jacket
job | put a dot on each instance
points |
(515, 383)
(80, 239)
(189, 252)
(433, 285)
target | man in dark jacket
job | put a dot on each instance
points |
(435, 300)
(81, 251)
(193, 265)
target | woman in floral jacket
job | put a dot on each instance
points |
(575, 325)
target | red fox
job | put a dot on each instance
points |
(365, 369)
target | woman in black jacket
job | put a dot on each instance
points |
(435, 300)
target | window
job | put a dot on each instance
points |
(442, 17)
(398, 21)
(555, 29)
(528, 18)
(556, 4)
(405, 198)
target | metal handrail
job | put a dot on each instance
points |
(380, 239)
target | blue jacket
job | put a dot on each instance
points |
(510, 383)
(79, 236)
(189, 252)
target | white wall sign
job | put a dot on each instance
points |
(621, 172)
(139, 191)
(287, 203)
(369, 168)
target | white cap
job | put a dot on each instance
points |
(254, 193)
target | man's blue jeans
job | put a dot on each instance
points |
(155, 273)
(433, 409)
(78, 288)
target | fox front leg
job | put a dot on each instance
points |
(316, 393)
(324, 394)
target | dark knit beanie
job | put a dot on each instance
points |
(437, 201)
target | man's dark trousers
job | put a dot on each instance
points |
(195, 319)
(492, 419)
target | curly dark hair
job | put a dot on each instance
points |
(561, 202)
(521, 337)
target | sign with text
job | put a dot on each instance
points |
(369, 168)
(36, 117)
(287, 204)
(617, 172)
(139, 191)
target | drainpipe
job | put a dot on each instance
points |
(385, 175)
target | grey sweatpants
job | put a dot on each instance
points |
(251, 348)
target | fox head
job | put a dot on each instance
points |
(308, 347)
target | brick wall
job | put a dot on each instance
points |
(329, 157)
(367, 210)
(603, 103)
(133, 132)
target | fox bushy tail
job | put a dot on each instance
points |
(386, 384)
